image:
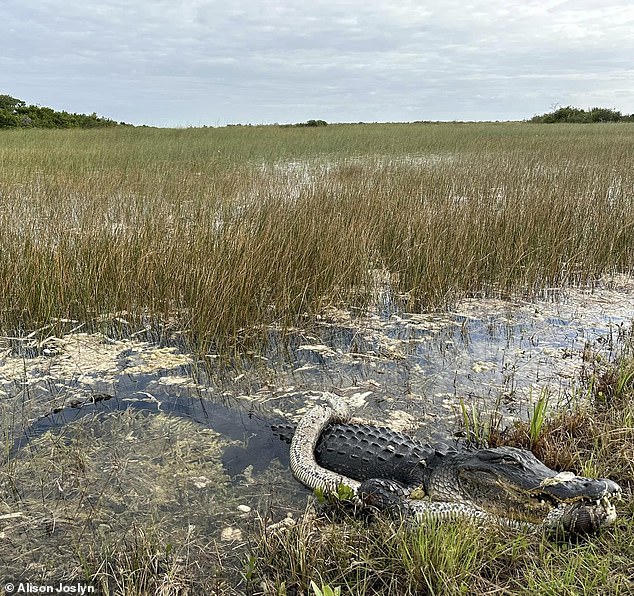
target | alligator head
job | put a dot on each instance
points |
(513, 484)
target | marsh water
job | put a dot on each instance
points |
(103, 433)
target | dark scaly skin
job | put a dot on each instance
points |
(396, 471)
(363, 451)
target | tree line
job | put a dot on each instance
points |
(579, 115)
(15, 113)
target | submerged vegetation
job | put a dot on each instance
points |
(218, 231)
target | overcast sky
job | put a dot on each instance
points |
(212, 62)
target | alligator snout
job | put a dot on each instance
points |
(567, 487)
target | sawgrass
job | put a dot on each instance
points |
(217, 232)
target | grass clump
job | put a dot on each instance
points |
(595, 437)
(366, 559)
(143, 561)
(439, 558)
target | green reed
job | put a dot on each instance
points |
(221, 231)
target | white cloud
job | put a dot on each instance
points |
(284, 60)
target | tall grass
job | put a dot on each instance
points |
(220, 230)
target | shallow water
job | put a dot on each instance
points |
(195, 455)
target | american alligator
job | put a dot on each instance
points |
(388, 470)
(385, 469)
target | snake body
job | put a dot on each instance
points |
(302, 454)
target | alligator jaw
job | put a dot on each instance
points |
(566, 487)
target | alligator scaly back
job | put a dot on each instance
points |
(505, 485)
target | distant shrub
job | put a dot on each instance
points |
(315, 123)
(307, 123)
(571, 114)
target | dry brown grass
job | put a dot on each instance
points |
(595, 437)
